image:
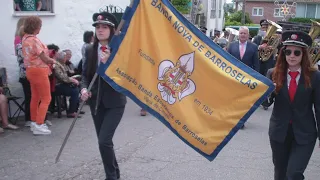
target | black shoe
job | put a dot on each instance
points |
(82, 112)
(242, 127)
(265, 108)
(52, 110)
(118, 173)
(143, 112)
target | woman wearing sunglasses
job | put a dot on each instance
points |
(292, 128)
(107, 105)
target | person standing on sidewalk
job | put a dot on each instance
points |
(293, 124)
(36, 60)
(22, 76)
(107, 105)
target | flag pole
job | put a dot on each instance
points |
(83, 102)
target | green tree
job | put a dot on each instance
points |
(181, 6)
(236, 17)
(228, 8)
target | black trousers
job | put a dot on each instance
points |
(265, 66)
(106, 122)
(27, 97)
(290, 159)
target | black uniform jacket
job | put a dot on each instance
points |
(102, 92)
(304, 111)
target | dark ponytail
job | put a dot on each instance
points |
(92, 59)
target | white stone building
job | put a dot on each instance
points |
(63, 24)
(215, 15)
(212, 15)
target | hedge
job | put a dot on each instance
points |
(302, 20)
(236, 23)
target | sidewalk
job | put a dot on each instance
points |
(145, 148)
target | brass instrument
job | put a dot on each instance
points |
(316, 57)
(272, 40)
(314, 33)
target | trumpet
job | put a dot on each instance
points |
(314, 33)
(272, 40)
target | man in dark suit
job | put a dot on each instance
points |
(245, 51)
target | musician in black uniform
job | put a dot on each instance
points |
(258, 40)
(106, 105)
(279, 33)
(293, 123)
(203, 29)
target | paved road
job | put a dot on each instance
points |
(146, 150)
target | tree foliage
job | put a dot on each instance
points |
(181, 6)
(237, 16)
(229, 9)
(234, 19)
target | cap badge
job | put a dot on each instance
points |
(100, 17)
(294, 37)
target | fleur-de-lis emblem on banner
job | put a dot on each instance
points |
(174, 80)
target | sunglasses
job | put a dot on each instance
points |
(288, 52)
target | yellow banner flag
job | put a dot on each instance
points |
(170, 68)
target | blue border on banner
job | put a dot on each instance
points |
(116, 42)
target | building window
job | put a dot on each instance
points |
(301, 10)
(257, 11)
(277, 12)
(213, 9)
(308, 11)
(32, 7)
(311, 10)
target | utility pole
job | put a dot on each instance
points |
(243, 19)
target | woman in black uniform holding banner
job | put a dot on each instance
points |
(106, 105)
(293, 124)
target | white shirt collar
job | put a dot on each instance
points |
(299, 70)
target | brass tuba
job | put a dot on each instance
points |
(314, 33)
(271, 39)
